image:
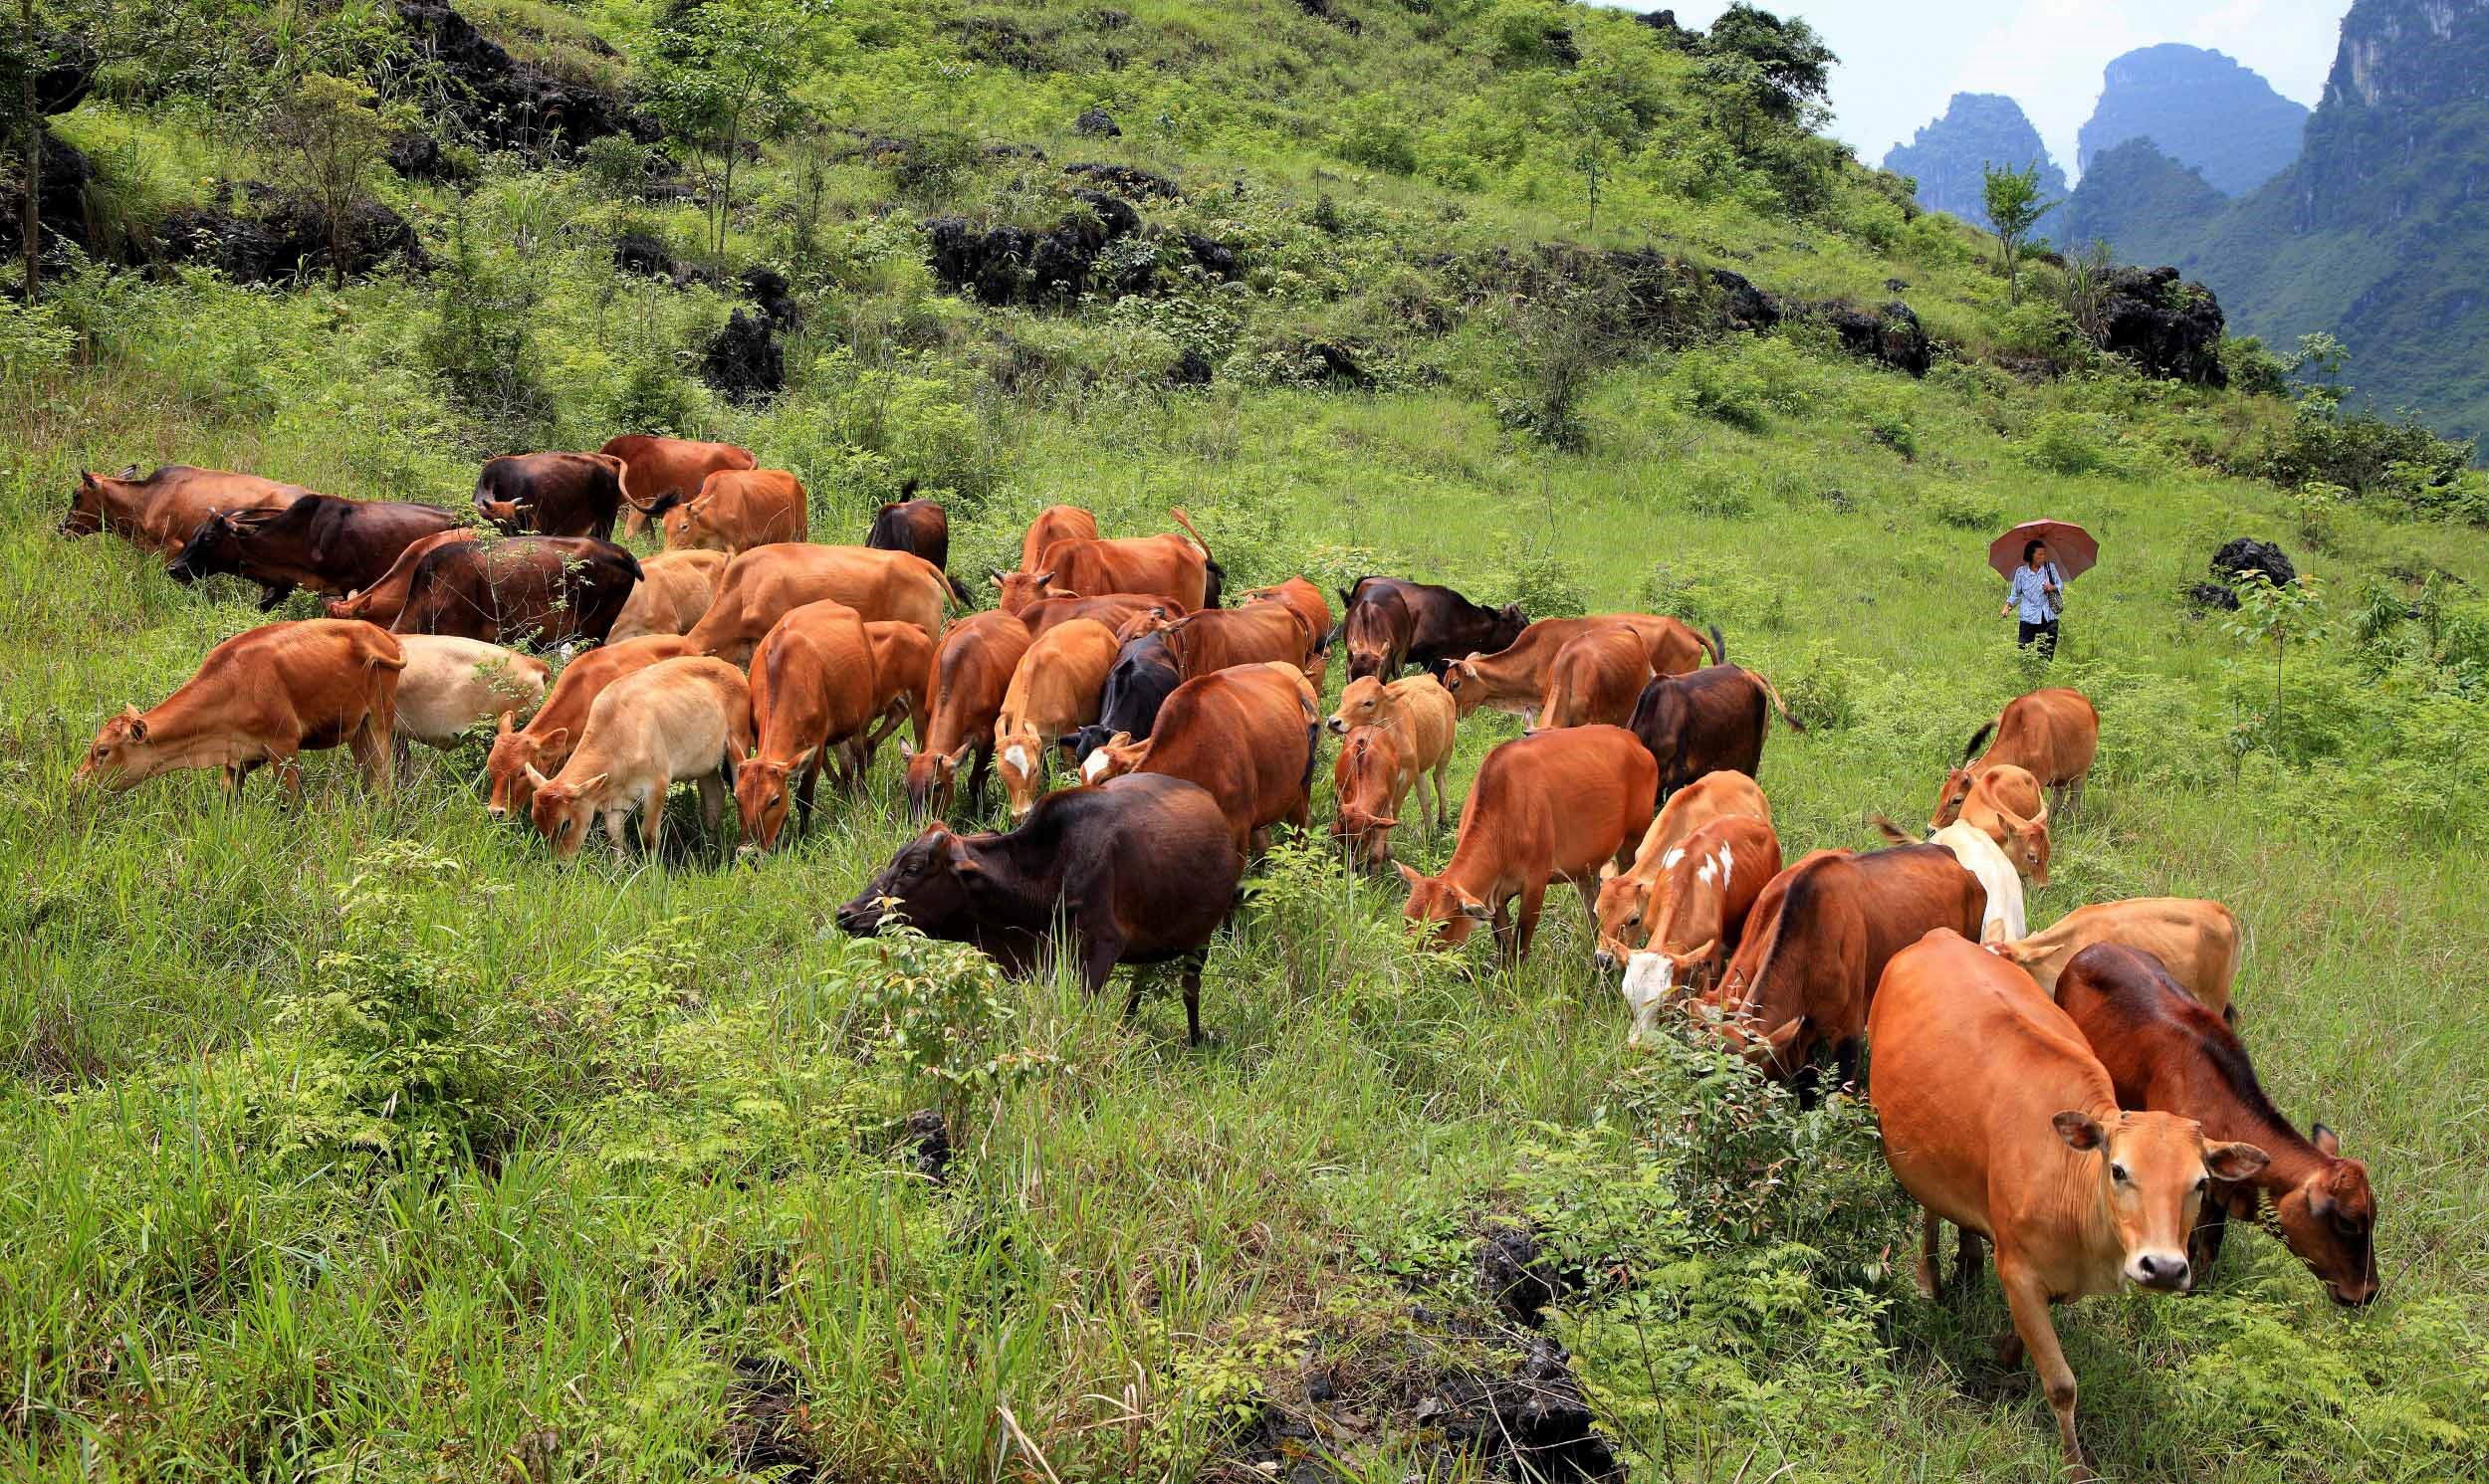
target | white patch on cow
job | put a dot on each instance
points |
(1649, 978)
(1727, 860)
(1017, 757)
(1094, 768)
(1675, 853)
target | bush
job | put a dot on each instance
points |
(1373, 131)
(1709, 386)
(2071, 443)
(1962, 510)
(1720, 590)
(2253, 370)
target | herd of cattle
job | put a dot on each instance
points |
(2076, 1097)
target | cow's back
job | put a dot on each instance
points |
(1245, 735)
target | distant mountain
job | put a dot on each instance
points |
(2203, 109)
(1978, 129)
(2152, 208)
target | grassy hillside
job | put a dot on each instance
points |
(359, 1139)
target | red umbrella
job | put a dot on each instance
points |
(2069, 544)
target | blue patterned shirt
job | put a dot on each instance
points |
(2026, 594)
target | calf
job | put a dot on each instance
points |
(2004, 804)
(546, 743)
(2001, 919)
(1116, 611)
(812, 683)
(550, 494)
(160, 512)
(922, 528)
(1625, 897)
(386, 598)
(1377, 631)
(1515, 679)
(1145, 674)
(1818, 939)
(735, 511)
(1419, 714)
(1054, 694)
(1138, 871)
(688, 718)
(2054, 733)
(317, 541)
(764, 584)
(1549, 806)
(674, 591)
(259, 698)
(1706, 889)
(1370, 780)
(903, 661)
(1711, 721)
(2195, 940)
(450, 686)
(1996, 1117)
(1595, 678)
(654, 467)
(2163, 1050)
(1305, 600)
(1056, 523)
(1431, 627)
(1244, 733)
(972, 673)
(551, 589)
(1256, 634)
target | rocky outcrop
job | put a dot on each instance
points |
(67, 74)
(2203, 109)
(2168, 328)
(1017, 265)
(279, 238)
(508, 103)
(1889, 335)
(744, 361)
(1096, 124)
(60, 203)
(1946, 157)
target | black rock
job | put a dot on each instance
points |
(1215, 258)
(1743, 306)
(991, 38)
(512, 105)
(2168, 328)
(1127, 179)
(1511, 1272)
(1192, 369)
(61, 205)
(638, 252)
(743, 360)
(1097, 124)
(1338, 364)
(1117, 216)
(2245, 556)
(1671, 33)
(1328, 10)
(2211, 596)
(416, 155)
(68, 72)
(283, 238)
(1890, 335)
(768, 291)
(930, 1137)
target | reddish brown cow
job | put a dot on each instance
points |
(1595, 679)
(2166, 1051)
(1256, 634)
(972, 674)
(903, 661)
(1707, 887)
(736, 510)
(2054, 733)
(813, 683)
(547, 739)
(653, 468)
(1370, 781)
(923, 529)
(1244, 733)
(1551, 804)
(160, 512)
(1515, 679)
(1625, 897)
(1171, 565)
(1055, 523)
(550, 494)
(386, 598)
(321, 543)
(1711, 721)
(763, 584)
(261, 698)
(1305, 601)
(554, 589)
(1113, 609)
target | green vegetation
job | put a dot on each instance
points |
(360, 1139)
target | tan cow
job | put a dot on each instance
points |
(736, 510)
(2054, 733)
(673, 594)
(764, 584)
(1997, 1117)
(2195, 940)
(654, 467)
(451, 684)
(1053, 693)
(1709, 884)
(1596, 678)
(1626, 898)
(160, 512)
(1419, 714)
(550, 735)
(1306, 601)
(676, 720)
(812, 690)
(2004, 804)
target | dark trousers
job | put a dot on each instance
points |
(2046, 633)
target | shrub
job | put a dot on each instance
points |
(2070, 443)
(1961, 510)
(1709, 386)
(1373, 131)
(1720, 590)
(1543, 583)
(2253, 370)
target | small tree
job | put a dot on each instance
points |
(2279, 615)
(724, 79)
(1599, 119)
(331, 137)
(2014, 208)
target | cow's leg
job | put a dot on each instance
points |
(1588, 887)
(1192, 996)
(977, 779)
(273, 594)
(1970, 1260)
(378, 754)
(1844, 1064)
(1099, 954)
(1534, 901)
(2027, 1296)
(289, 774)
(711, 803)
(651, 821)
(1931, 1244)
(617, 831)
(804, 793)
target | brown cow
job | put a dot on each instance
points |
(2006, 805)
(1711, 721)
(160, 512)
(2196, 940)
(972, 673)
(813, 683)
(1116, 611)
(903, 662)
(1419, 713)
(678, 718)
(674, 590)
(736, 510)
(260, 697)
(1305, 601)
(921, 528)
(554, 589)
(386, 597)
(1595, 679)
(1625, 899)
(1707, 890)
(318, 542)
(1818, 939)
(547, 741)
(2054, 733)
(1171, 565)
(653, 468)
(2166, 1051)
(1245, 734)
(1419, 623)
(1548, 805)
(1515, 679)
(1256, 634)
(1369, 782)
(763, 584)
(1054, 694)
(1997, 1117)
(1055, 523)
(550, 494)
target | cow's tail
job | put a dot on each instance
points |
(1778, 705)
(960, 590)
(1215, 581)
(1978, 740)
(1893, 832)
(631, 565)
(1718, 646)
(659, 506)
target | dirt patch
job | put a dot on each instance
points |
(769, 1423)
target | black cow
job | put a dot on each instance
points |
(1141, 870)
(1145, 674)
(1709, 721)
(552, 493)
(920, 529)
(1437, 625)
(318, 542)
(550, 588)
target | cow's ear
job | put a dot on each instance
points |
(907, 751)
(2235, 1162)
(2080, 1131)
(959, 755)
(590, 786)
(1475, 910)
(538, 779)
(1121, 740)
(1346, 599)
(506, 724)
(1407, 875)
(1607, 871)
(553, 740)
(137, 725)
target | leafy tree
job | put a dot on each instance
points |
(724, 79)
(2279, 615)
(330, 137)
(2014, 206)
(1601, 122)
(1791, 64)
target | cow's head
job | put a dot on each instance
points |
(512, 766)
(692, 526)
(1360, 705)
(1469, 690)
(1437, 906)
(1509, 622)
(562, 808)
(761, 794)
(125, 753)
(1656, 976)
(930, 776)
(1019, 589)
(1019, 755)
(85, 504)
(215, 546)
(1112, 758)
(923, 883)
(2330, 1222)
(1624, 914)
(1367, 777)
(2026, 845)
(2154, 1170)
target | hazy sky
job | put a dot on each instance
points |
(1900, 61)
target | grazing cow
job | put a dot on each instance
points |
(1055, 523)
(1707, 887)
(2054, 733)
(1054, 694)
(1256, 634)
(260, 697)
(450, 686)
(2004, 804)
(160, 512)
(1369, 782)
(1139, 871)
(1245, 734)
(1171, 565)
(554, 589)
(2194, 939)
(972, 674)
(763, 584)
(386, 599)
(1548, 805)
(736, 510)
(1625, 897)
(903, 661)
(1997, 1117)
(1515, 679)
(550, 494)
(654, 467)
(1144, 676)
(1817, 941)
(1419, 714)
(2000, 882)
(1113, 609)
(674, 590)
(1713, 721)
(1595, 679)
(2163, 1050)
(812, 683)
(1419, 623)
(318, 542)
(549, 737)
(923, 528)
(685, 719)
(1305, 601)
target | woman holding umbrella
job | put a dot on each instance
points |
(2036, 584)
